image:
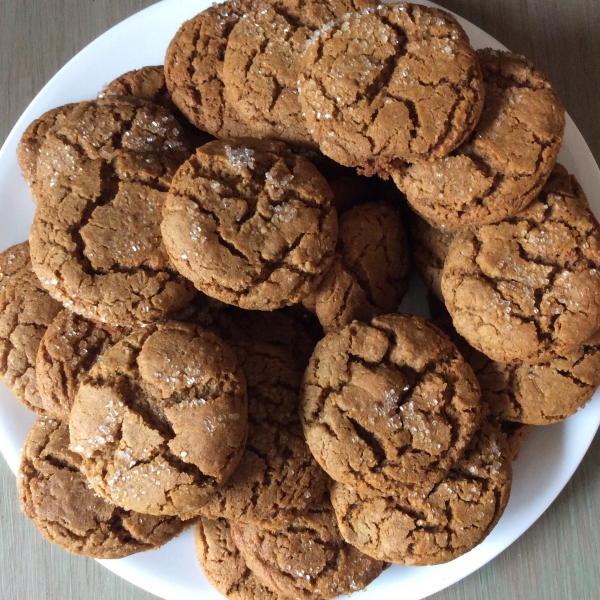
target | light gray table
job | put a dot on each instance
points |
(557, 559)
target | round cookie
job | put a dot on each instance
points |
(28, 149)
(277, 474)
(368, 276)
(435, 525)
(55, 494)
(68, 350)
(223, 565)
(306, 558)
(26, 310)
(250, 223)
(503, 165)
(400, 82)
(95, 239)
(388, 403)
(527, 289)
(161, 422)
(194, 69)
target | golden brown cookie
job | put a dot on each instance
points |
(250, 223)
(400, 82)
(95, 240)
(56, 495)
(68, 350)
(161, 422)
(503, 165)
(306, 558)
(368, 276)
(26, 310)
(388, 403)
(224, 566)
(277, 473)
(527, 289)
(194, 69)
(434, 525)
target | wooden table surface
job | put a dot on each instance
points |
(557, 559)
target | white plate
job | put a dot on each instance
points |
(545, 465)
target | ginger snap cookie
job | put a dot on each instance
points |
(368, 276)
(306, 558)
(388, 403)
(503, 165)
(250, 223)
(527, 289)
(161, 422)
(26, 310)
(399, 82)
(434, 525)
(194, 69)
(108, 166)
(68, 350)
(31, 141)
(223, 565)
(56, 495)
(277, 475)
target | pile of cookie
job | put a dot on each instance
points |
(208, 328)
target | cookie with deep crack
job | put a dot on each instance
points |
(527, 289)
(223, 565)
(55, 494)
(95, 239)
(26, 311)
(400, 82)
(250, 223)
(306, 558)
(161, 422)
(368, 275)
(68, 350)
(434, 525)
(388, 403)
(503, 165)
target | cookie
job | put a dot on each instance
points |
(223, 565)
(68, 350)
(161, 422)
(26, 310)
(28, 149)
(503, 165)
(55, 494)
(527, 289)
(400, 82)
(95, 239)
(436, 525)
(194, 69)
(368, 276)
(429, 250)
(250, 223)
(307, 558)
(262, 64)
(388, 403)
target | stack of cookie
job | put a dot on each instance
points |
(207, 328)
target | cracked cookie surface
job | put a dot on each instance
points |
(26, 310)
(250, 223)
(527, 289)
(388, 403)
(368, 275)
(161, 422)
(307, 558)
(95, 239)
(436, 525)
(503, 165)
(56, 495)
(68, 350)
(399, 82)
